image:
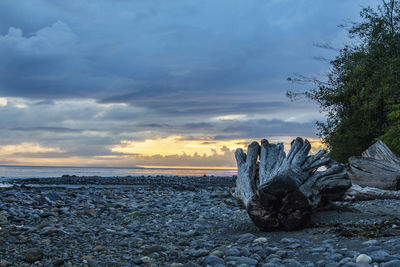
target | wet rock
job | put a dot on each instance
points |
(371, 242)
(157, 248)
(380, 256)
(291, 263)
(370, 249)
(58, 262)
(213, 261)
(33, 254)
(189, 233)
(246, 238)
(241, 260)
(289, 240)
(393, 263)
(260, 240)
(232, 252)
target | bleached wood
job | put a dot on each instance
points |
(357, 192)
(381, 151)
(245, 182)
(288, 187)
(374, 173)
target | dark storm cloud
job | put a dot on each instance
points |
(129, 51)
(82, 76)
(46, 129)
(259, 129)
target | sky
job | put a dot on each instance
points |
(159, 83)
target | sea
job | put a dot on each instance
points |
(15, 172)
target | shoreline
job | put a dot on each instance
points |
(164, 221)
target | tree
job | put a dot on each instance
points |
(362, 93)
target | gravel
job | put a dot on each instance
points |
(178, 221)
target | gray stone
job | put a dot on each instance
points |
(246, 238)
(265, 252)
(189, 233)
(213, 261)
(245, 252)
(318, 249)
(393, 263)
(353, 264)
(217, 253)
(370, 249)
(199, 253)
(232, 252)
(294, 246)
(241, 260)
(289, 240)
(282, 253)
(33, 254)
(156, 248)
(345, 260)
(371, 242)
(336, 257)
(291, 263)
(380, 256)
(275, 261)
(396, 256)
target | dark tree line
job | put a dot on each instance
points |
(362, 91)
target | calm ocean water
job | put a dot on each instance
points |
(43, 172)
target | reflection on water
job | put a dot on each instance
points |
(44, 172)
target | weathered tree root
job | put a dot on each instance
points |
(281, 191)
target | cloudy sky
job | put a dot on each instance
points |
(158, 83)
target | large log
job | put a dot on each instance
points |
(357, 192)
(281, 191)
(378, 167)
(374, 173)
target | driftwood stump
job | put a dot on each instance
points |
(378, 167)
(358, 193)
(281, 191)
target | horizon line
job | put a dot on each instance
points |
(125, 167)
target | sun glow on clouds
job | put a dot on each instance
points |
(176, 144)
(3, 101)
(27, 148)
(230, 117)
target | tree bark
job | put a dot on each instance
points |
(287, 188)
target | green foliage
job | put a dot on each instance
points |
(362, 93)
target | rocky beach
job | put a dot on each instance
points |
(179, 221)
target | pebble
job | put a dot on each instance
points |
(289, 240)
(213, 261)
(162, 225)
(363, 259)
(232, 252)
(393, 263)
(380, 256)
(33, 254)
(370, 249)
(260, 240)
(371, 242)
